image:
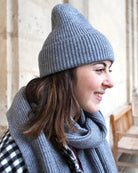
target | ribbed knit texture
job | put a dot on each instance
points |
(72, 42)
(42, 156)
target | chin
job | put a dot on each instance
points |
(94, 110)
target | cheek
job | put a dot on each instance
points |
(83, 88)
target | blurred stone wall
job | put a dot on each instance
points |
(24, 26)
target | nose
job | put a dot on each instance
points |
(108, 82)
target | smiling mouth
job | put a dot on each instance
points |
(98, 94)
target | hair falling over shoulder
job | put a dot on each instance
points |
(52, 105)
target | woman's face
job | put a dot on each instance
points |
(90, 83)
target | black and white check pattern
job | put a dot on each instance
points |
(11, 160)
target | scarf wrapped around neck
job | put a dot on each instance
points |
(40, 155)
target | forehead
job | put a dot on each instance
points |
(105, 64)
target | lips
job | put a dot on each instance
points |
(99, 95)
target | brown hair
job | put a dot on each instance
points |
(52, 104)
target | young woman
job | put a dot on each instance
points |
(55, 123)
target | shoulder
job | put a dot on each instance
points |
(11, 159)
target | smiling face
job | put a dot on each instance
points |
(90, 83)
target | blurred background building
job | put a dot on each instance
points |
(24, 25)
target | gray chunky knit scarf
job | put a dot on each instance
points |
(43, 156)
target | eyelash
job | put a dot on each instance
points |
(102, 69)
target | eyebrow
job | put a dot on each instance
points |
(103, 63)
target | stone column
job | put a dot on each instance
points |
(129, 46)
(12, 50)
(135, 64)
(9, 66)
(3, 60)
(135, 46)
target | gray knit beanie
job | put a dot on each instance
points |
(72, 42)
